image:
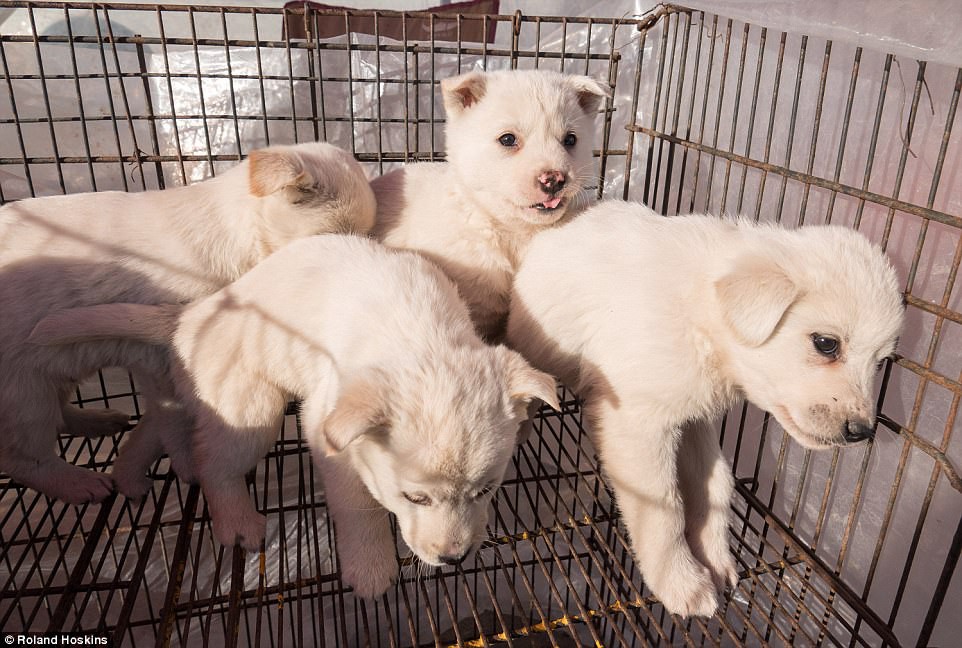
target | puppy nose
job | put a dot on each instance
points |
(454, 560)
(552, 181)
(855, 431)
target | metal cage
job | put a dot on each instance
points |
(853, 548)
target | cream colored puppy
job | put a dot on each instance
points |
(150, 247)
(519, 151)
(417, 415)
(660, 323)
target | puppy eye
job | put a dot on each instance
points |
(508, 139)
(484, 491)
(569, 140)
(825, 344)
(417, 498)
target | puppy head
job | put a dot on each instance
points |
(432, 443)
(308, 189)
(521, 142)
(809, 327)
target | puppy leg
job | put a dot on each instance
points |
(707, 485)
(28, 439)
(164, 427)
(94, 422)
(365, 544)
(639, 458)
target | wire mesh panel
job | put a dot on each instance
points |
(852, 547)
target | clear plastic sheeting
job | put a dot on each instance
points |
(809, 112)
(927, 30)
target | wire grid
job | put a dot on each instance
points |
(157, 107)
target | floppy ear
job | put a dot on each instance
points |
(462, 92)
(274, 168)
(590, 93)
(362, 408)
(525, 383)
(753, 297)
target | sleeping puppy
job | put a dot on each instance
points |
(415, 413)
(150, 247)
(660, 323)
(519, 150)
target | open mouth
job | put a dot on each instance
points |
(548, 205)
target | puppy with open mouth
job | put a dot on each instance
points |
(661, 323)
(405, 408)
(520, 147)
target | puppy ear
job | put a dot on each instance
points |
(525, 383)
(362, 408)
(753, 298)
(275, 168)
(590, 93)
(461, 92)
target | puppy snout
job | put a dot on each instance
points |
(454, 560)
(551, 182)
(855, 431)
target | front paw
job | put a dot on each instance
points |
(710, 547)
(368, 566)
(244, 528)
(686, 589)
(131, 478)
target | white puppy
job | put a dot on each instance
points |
(151, 247)
(519, 151)
(417, 414)
(660, 323)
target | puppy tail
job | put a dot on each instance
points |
(153, 324)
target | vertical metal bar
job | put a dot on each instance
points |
(46, 101)
(718, 110)
(776, 86)
(815, 129)
(843, 138)
(791, 126)
(170, 94)
(735, 116)
(16, 120)
(200, 90)
(84, 136)
(762, 41)
(178, 564)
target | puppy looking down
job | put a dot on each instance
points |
(660, 323)
(151, 247)
(519, 151)
(405, 407)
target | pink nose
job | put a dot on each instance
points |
(552, 181)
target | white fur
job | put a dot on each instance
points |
(151, 247)
(396, 386)
(473, 214)
(660, 323)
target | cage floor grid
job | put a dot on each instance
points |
(555, 571)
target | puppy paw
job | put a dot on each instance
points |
(722, 566)
(95, 422)
(369, 578)
(246, 529)
(131, 479)
(710, 547)
(368, 562)
(688, 590)
(80, 486)
(182, 465)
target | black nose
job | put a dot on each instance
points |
(454, 560)
(552, 181)
(855, 431)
